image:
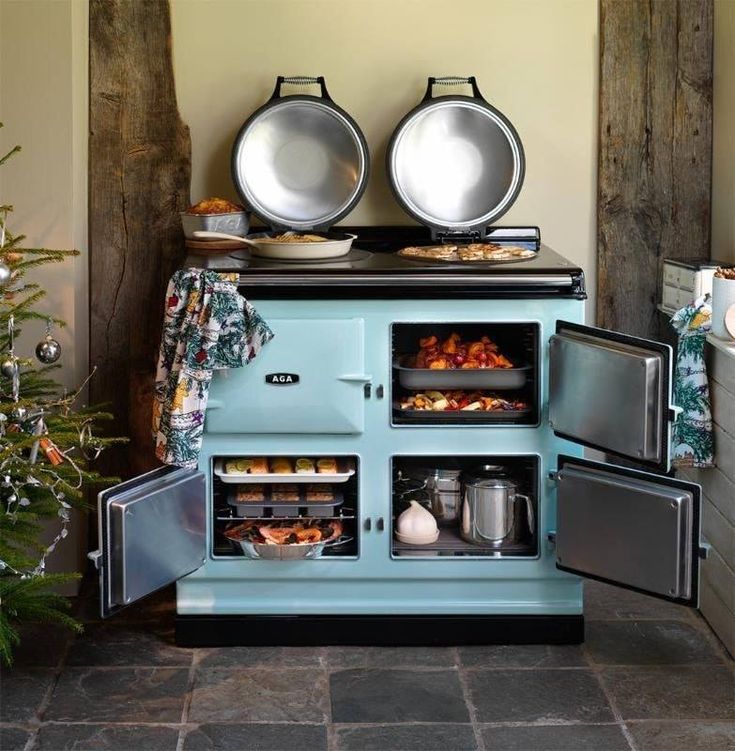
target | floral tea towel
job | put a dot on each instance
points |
(207, 326)
(693, 445)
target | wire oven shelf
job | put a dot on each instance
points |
(450, 543)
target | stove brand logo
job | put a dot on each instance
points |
(282, 379)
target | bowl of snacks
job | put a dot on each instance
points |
(215, 215)
(286, 539)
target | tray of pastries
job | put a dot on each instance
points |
(285, 499)
(284, 469)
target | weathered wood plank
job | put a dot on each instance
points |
(718, 531)
(717, 486)
(139, 175)
(719, 617)
(655, 151)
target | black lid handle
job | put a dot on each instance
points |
(452, 81)
(301, 81)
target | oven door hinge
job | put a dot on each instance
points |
(554, 475)
(447, 237)
(551, 537)
(96, 557)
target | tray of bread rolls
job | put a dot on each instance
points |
(284, 469)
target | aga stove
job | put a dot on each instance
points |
(360, 408)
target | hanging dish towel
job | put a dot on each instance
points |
(693, 442)
(207, 326)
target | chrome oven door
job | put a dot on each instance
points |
(152, 531)
(627, 527)
(612, 392)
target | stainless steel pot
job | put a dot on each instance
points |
(493, 511)
(443, 488)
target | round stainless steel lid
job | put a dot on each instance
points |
(300, 162)
(455, 162)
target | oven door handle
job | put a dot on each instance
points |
(355, 378)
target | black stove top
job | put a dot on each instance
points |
(373, 264)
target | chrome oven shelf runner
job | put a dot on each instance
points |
(355, 284)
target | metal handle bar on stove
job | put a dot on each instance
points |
(390, 280)
(300, 81)
(452, 81)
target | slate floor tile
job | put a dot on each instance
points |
(683, 736)
(106, 738)
(523, 656)
(389, 657)
(278, 658)
(648, 643)
(678, 693)
(119, 695)
(257, 736)
(537, 695)
(13, 739)
(605, 602)
(555, 738)
(114, 644)
(573, 737)
(433, 737)
(21, 693)
(258, 695)
(383, 696)
(41, 645)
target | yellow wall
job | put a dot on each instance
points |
(723, 167)
(43, 104)
(536, 60)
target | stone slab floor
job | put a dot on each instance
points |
(650, 676)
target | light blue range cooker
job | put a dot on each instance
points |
(333, 383)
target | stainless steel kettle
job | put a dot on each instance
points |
(493, 511)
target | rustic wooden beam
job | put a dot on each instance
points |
(655, 152)
(139, 176)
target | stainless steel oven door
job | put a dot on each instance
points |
(612, 392)
(152, 531)
(628, 527)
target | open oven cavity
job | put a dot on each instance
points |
(465, 374)
(484, 506)
(296, 500)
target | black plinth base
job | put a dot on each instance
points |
(376, 630)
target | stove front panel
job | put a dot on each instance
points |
(376, 581)
(308, 379)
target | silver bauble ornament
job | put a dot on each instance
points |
(19, 413)
(48, 351)
(5, 274)
(7, 367)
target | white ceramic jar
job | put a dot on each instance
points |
(723, 305)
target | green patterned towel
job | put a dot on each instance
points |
(693, 442)
(207, 326)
